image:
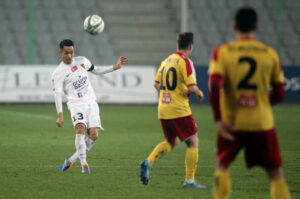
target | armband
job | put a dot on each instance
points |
(91, 68)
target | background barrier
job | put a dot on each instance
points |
(129, 85)
(292, 83)
(33, 84)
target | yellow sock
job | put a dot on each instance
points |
(159, 151)
(191, 160)
(222, 186)
(279, 189)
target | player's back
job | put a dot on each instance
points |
(175, 74)
(248, 67)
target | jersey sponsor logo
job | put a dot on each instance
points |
(247, 101)
(79, 95)
(74, 68)
(79, 83)
(166, 98)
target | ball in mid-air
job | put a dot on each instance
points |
(93, 24)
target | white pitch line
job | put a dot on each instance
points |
(29, 115)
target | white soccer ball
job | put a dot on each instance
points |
(93, 24)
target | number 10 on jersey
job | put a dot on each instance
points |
(167, 84)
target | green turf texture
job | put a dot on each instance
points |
(32, 147)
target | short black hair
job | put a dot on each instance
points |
(184, 40)
(65, 42)
(246, 19)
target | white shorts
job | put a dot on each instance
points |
(87, 114)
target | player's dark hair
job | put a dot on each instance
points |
(65, 42)
(184, 40)
(246, 19)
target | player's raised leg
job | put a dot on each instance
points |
(191, 160)
(66, 165)
(159, 151)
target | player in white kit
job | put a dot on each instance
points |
(71, 78)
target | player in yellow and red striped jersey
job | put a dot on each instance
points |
(175, 80)
(241, 73)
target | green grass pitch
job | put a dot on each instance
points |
(32, 147)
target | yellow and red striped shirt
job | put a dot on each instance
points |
(174, 75)
(248, 68)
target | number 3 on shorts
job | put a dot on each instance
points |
(79, 117)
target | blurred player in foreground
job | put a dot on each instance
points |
(241, 73)
(71, 78)
(175, 80)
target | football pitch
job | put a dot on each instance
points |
(32, 147)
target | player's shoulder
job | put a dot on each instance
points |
(59, 69)
(83, 62)
(81, 59)
(172, 58)
(268, 49)
(220, 49)
(184, 62)
(182, 59)
(179, 55)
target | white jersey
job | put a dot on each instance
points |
(73, 81)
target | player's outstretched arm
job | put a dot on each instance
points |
(197, 92)
(121, 61)
(99, 70)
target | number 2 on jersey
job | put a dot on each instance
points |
(170, 86)
(244, 83)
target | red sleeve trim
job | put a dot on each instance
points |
(188, 65)
(215, 85)
(192, 85)
(277, 93)
(156, 81)
(214, 55)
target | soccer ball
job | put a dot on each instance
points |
(93, 24)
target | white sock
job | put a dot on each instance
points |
(81, 148)
(89, 143)
(189, 180)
